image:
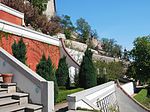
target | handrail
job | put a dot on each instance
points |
(64, 48)
(27, 33)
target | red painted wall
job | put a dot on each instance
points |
(35, 49)
(10, 18)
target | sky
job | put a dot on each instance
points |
(122, 20)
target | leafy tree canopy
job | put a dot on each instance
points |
(83, 29)
(67, 26)
(111, 48)
(141, 58)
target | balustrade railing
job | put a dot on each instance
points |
(108, 103)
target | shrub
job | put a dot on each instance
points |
(76, 80)
(108, 71)
(62, 72)
(41, 67)
(19, 50)
(56, 89)
(46, 70)
(68, 83)
(87, 73)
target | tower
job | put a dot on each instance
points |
(51, 9)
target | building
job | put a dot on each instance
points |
(51, 8)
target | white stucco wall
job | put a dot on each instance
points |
(23, 82)
(128, 88)
(40, 91)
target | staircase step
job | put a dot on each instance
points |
(11, 87)
(17, 108)
(8, 103)
(22, 97)
(16, 96)
(7, 84)
(23, 108)
(34, 107)
(3, 90)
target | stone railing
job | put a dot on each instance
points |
(97, 98)
(40, 90)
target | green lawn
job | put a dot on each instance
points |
(62, 95)
(142, 98)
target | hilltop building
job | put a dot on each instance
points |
(51, 9)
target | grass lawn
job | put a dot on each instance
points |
(142, 98)
(62, 95)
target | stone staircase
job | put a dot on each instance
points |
(13, 101)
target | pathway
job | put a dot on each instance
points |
(61, 107)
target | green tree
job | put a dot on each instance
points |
(41, 67)
(56, 89)
(83, 29)
(111, 48)
(19, 51)
(46, 70)
(67, 25)
(94, 34)
(141, 58)
(87, 73)
(62, 72)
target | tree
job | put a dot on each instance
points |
(62, 72)
(40, 68)
(94, 34)
(87, 73)
(19, 51)
(67, 26)
(66, 22)
(46, 70)
(141, 58)
(116, 51)
(56, 89)
(83, 29)
(111, 48)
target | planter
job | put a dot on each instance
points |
(7, 78)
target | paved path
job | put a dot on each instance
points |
(61, 107)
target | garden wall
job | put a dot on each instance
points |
(11, 15)
(35, 49)
(37, 43)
